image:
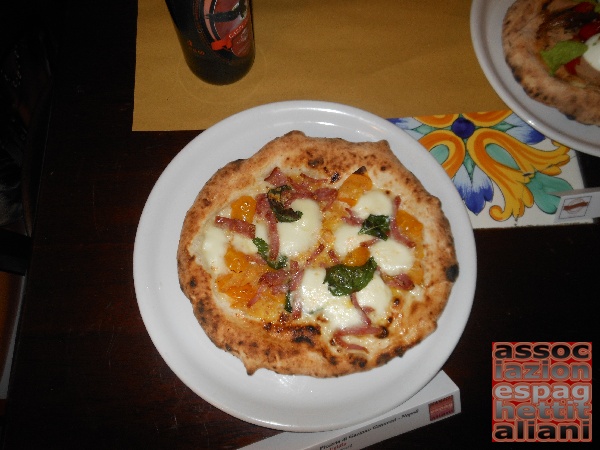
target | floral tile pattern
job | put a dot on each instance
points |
(505, 171)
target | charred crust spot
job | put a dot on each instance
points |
(452, 273)
(206, 202)
(400, 351)
(315, 162)
(545, 5)
(360, 362)
(384, 358)
(383, 168)
(335, 177)
(296, 334)
(313, 330)
(396, 301)
(383, 334)
(333, 360)
(193, 282)
(305, 334)
(517, 76)
(361, 170)
(228, 348)
(303, 339)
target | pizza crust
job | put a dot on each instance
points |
(574, 96)
(289, 348)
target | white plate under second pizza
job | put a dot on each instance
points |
(486, 33)
(293, 403)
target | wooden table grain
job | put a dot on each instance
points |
(85, 372)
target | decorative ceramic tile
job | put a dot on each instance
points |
(505, 171)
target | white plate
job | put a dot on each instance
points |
(294, 403)
(486, 34)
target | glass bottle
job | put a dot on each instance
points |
(216, 37)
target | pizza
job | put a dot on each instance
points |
(553, 50)
(316, 256)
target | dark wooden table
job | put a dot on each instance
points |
(85, 372)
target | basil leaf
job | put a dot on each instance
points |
(562, 53)
(344, 280)
(288, 302)
(262, 246)
(282, 213)
(263, 251)
(378, 226)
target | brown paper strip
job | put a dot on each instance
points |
(392, 58)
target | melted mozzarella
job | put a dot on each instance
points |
(376, 295)
(392, 256)
(300, 236)
(347, 239)
(592, 54)
(313, 290)
(315, 297)
(374, 202)
(340, 314)
(213, 248)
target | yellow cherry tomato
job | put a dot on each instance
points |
(357, 257)
(353, 187)
(235, 260)
(243, 208)
(409, 225)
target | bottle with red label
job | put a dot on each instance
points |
(216, 37)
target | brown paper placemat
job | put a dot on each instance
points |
(393, 58)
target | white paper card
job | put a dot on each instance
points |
(578, 205)
(437, 400)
